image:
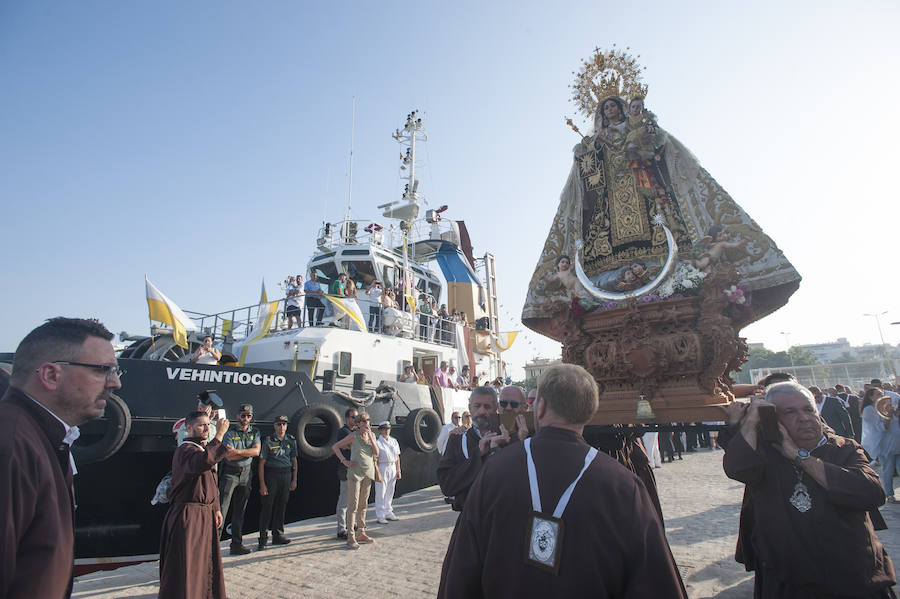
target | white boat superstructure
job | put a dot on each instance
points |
(359, 345)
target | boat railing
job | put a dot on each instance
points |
(239, 323)
(389, 237)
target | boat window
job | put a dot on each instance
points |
(389, 275)
(361, 271)
(327, 273)
(345, 362)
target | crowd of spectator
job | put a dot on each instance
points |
(435, 323)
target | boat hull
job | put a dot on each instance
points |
(116, 524)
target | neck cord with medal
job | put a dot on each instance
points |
(800, 498)
(545, 539)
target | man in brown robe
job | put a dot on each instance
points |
(611, 544)
(190, 562)
(811, 535)
(63, 374)
(467, 451)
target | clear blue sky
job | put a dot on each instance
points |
(202, 143)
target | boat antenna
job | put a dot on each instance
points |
(352, 132)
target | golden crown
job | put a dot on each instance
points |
(607, 73)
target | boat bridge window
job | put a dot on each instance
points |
(327, 272)
(389, 275)
(361, 271)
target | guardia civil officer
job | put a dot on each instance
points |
(277, 478)
(235, 478)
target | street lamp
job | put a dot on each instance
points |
(787, 339)
(878, 324)
(884, 353)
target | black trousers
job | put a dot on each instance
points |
(234, 490)
(315, 309)
(278, 484)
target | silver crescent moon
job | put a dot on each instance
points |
(668, 267)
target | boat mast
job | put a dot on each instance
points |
(412, 131)
(350, 183)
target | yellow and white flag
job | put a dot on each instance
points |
(164, 310)
(504, 341)
(348, 306)
(261, 327)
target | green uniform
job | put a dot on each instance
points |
(277, 475)
(236, 480)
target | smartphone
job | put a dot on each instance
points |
(494, 423)
(768, 424)
(508, 419)
(220, 414)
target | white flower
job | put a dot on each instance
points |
(687, 284)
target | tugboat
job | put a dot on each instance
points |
(354, 358)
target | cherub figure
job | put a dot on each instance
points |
(633, 276)
(709, 250)
(566, 277)
(643, 133)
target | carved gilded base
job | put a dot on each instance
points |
(676, 354)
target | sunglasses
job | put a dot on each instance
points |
(110, 371)
(511, 404)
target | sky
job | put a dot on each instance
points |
(203, 144)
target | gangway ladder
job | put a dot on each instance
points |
(490, 283)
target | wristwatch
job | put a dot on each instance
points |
(802, 456)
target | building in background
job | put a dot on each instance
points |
(537, 366)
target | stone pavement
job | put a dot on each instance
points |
(700, 504)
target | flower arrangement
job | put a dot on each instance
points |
(736, 294)
(685, 281)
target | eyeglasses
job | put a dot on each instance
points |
(512, 404)
(110, 371)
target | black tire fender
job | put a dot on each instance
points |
(303, 418)
(421, 429)
(118, 427)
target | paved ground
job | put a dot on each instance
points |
(700, 504)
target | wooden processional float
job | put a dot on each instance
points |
(650, 269)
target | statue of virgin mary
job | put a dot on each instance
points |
(630, 181)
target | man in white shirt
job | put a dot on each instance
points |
(373, 295)
(389, 468)
(292, 310)
(445, 432)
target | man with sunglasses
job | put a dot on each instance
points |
(235, 479)
(277, 478)
(513, 400)
(63, 374)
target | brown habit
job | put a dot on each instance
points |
(613, 542)
(36, 505)
(829, 550)
(455, 472)
(190, 564)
